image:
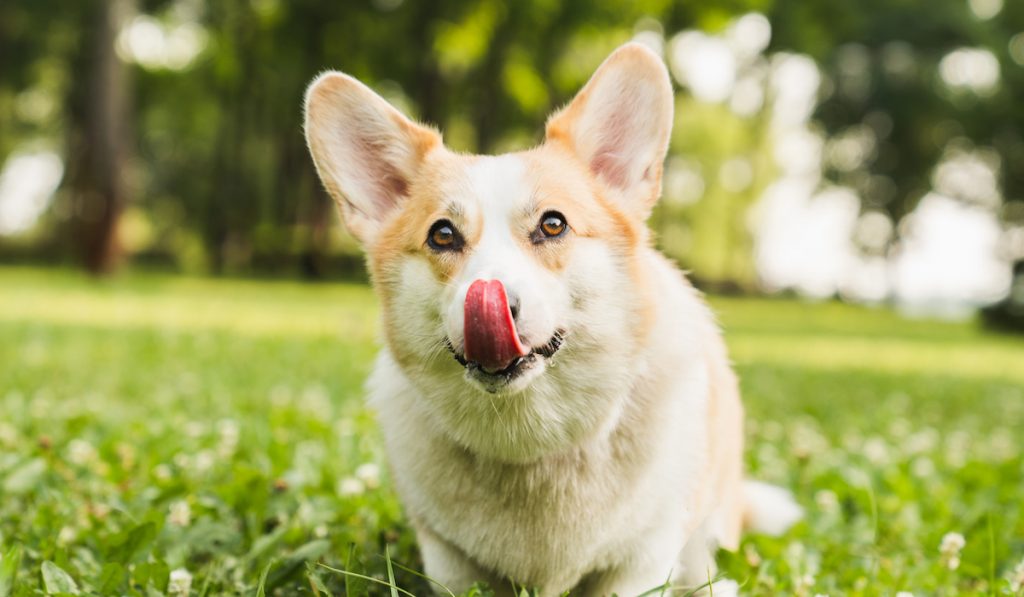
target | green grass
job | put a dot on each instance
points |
(216, 429)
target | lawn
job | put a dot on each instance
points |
(162, 434)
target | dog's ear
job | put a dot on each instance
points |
(365, 150)
(619, 125)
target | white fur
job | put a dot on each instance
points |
(770, 510)
(612, 500)
(497, 187)
(597, 469)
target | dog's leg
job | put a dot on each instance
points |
(628, 580)
(698, 566)
(447, 564)
(654, 562)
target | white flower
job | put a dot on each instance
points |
(81, 452)
(180, 514)
(180, 582)
(827, 500)
(228, 430)
(182, 460)
(369, 474)
(67, 535)
(162, 472)
(8, 434)
(1017, 578)
(195, 429)
(876, 450)
(950, 548)
(350, 486)
(922, 467)
(204, 461)
(904, 594)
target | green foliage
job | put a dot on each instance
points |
(222, 181)
(221, 178)
(882, 59)
(153, 425)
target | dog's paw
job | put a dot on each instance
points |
(770, 509)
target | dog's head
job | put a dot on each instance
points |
(510, 286)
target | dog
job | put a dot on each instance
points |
(557, 403)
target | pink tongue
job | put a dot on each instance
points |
(491, 338)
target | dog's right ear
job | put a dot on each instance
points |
(365, 150)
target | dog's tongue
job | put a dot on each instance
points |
(491, 337)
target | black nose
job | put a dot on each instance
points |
(513, 305)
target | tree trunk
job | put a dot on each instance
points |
(98, 144)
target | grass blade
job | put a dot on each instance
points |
(391, 571)
(425, 577)
(394, 589)
(261, 588)
(9, 570)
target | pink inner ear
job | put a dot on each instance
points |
(381, 179)
(611, 167)
(612, 159)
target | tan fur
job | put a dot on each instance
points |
(604, 467)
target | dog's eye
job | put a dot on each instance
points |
(443, 236)
(552, 224)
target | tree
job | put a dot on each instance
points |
(98, 136)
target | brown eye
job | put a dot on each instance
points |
(443, 236)
(552, 224)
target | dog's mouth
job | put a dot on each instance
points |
(493, 380)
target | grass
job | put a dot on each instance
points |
(169, 435)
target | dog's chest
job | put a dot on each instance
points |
(541, 523)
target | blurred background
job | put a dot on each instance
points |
(871, 150)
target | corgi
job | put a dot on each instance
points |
(557, 403)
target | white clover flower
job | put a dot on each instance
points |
(904, 594)
(350, 486)
(195, 429)
(204, 460)
(369, 474)
(8, 434)
(67, 535)
(876, 450)
(827, 500)
(180, 582)
(81, 452)
(1017, 578)
(950, 548)
(320, 531)
(180, 514)
(315, 398)
(922, 441)
(162, 472)
(229, 432)
(922, 467)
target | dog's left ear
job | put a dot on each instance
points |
(619, 125)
